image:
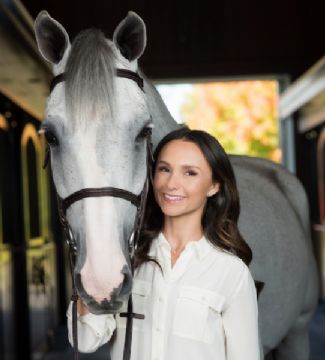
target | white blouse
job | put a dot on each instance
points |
(204, 307)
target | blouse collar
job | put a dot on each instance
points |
(201, 247)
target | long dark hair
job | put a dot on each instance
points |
(220, 217)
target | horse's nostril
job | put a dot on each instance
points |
(126, 287)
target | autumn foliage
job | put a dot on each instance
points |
(241, 115)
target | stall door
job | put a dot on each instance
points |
(41, 268)
(7, 334)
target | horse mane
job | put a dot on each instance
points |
(89, 77)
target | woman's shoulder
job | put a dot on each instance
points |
(232, 270)
(228, 259)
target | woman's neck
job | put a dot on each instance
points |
(179, 231)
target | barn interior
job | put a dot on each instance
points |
(187, 41)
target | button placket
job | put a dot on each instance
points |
(159, 319)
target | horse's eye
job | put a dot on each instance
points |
(146, 131)
(51, 138)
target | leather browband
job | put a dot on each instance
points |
(119, 72)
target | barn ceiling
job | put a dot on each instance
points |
(195, 38)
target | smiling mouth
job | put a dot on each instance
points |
(172, 198)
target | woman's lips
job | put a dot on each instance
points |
(172, 198)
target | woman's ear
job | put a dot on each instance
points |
(214, 189)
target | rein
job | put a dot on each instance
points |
(137, 200)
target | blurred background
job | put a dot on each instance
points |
(251, 73)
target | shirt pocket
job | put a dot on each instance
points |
(196, 309)
(140, 293)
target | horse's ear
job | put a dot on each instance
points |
(52, 39)
(130, 36)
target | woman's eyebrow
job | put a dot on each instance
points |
(184, 166)
(162, 161)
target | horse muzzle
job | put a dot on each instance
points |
(100, 303)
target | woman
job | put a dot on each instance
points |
(192, 280)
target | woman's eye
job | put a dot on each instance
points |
(190, 173)
(51, 138)
(162, 169)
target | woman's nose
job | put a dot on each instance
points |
(173, 182)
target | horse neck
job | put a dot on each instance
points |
(162, 119)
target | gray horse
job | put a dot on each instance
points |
(93, 123)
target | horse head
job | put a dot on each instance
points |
(96, 125)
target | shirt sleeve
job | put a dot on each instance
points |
(240, 322)
(93, 330)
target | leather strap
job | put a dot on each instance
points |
(124, 73)
(130, 75)
(74, 298)
(56, 80)
(99, 192)
(128, 330)
(259, 285)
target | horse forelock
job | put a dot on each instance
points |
(89, 78)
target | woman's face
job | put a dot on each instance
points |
(183, 179)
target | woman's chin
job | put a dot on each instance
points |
(172, 211)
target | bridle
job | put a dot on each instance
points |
(137, 200)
